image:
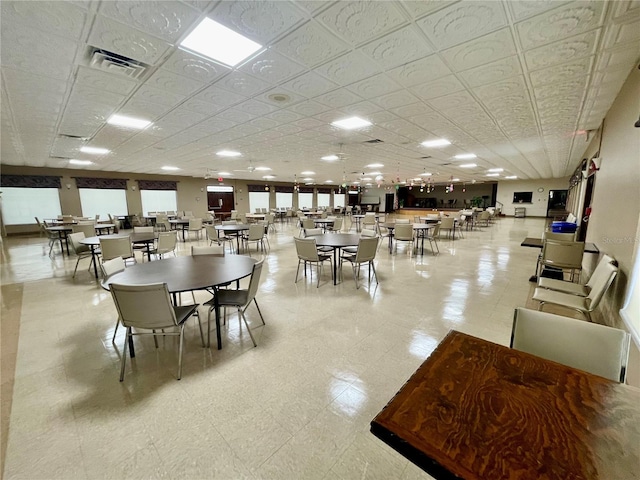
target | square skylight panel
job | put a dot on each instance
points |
(351, 123)
(219, 43)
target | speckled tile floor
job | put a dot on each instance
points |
(298, 406)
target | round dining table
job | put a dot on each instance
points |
(188, 273)
(63, 232)
(234, 230)
(421, 230)
(336, 241)
(143, 238)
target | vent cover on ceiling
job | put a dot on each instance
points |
(114, 63)
(376, 140)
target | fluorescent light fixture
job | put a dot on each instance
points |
(331, 158)
(375, 165)
(468, 165)
(128, 122)
(73, 161)
(217, 42)
(167, 167)
(440, 142)
(511, 177)
(425, 174)
(263, 169)
(308, 179)
(492, 175)
(307, 173)
(465, 156)
(351, 123)
(328, 181)
(94, 150)
(374, 173)
(228, 153)
(455, 179)
(417, 179)
(496, 170)
(366, 179)
(268, 177)
(224, 174)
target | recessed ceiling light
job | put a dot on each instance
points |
(455, 179)
(375, 165)
(425, 174)
(496, 170)
(167, 167)
(492, 175)
(228, 153)
(351, 123)
(365, 179)
(268, 177)
(511, 177)
(308, 179)
(417, 179)
(331, 158)
(307, 173)
(224, 174)
(217, 42)
(374, 173)
(128, 122)
(468, 165)
(464, 156)
(441, 142)
(73, 161)
(263, 169)
(94, 150)
(328, 181)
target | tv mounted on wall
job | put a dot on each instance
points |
(522, 197)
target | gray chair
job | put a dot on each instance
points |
(432, 236)
(591, 347)
(256, 234)
(148, 307)
(577, 288)
(584, 305)
(403, 232)
(241, 299)
(167, 242)
(365, 254)
(308, 253)
(116, 247)
(111, 267)
(81, 250)
(561, 256)
(195, 225)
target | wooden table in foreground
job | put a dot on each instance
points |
(478, 410)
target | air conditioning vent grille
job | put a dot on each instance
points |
(375, 140)
(117, 64)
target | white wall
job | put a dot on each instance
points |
(538, 206)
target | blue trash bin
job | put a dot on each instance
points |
(563, 227)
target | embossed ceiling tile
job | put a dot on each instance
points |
(143, 109)
(628, 32)
(99, 80)
(173, 83)
(310, 85)
(562, 51)
(155, 95)
(483, 50)
(272, 67)
(242, 84)
(164, 19)
(360, 21)
(19, 43)
(349, 68)
(561, 73)
(338, 98)
(412, 110)
(375, 86)
(420, 71)
(625, 9)
(309, 123)
(396, 99)
(526, 8)
(399, 47)
(511, 86)
(123, 40)
(565, 21)
(184, 117)
(420, 8)
(492, 72)
(81, 95)
(45, 67)
(218, 96)
(198, 106)
(311, 45)
(571, 88)
(443, 86)
(462, 22)
(24, 85)
(309, 108)
(362, 109)
(261, 21)
(256, 107)
(215, 124)
(285, 116)
(194, 67)
(60, 18)
(617, 58)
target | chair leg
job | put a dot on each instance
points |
(375, 274)
(180, 350)
(298, 270)
(113, 339)
(244, 319)
(155, 338)
(259, 312)
(76, 269)
(124, 353)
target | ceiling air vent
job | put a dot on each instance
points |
(117, 64)
(375, 140)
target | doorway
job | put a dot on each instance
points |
(557, 204)
(586, 208)
(220, 199)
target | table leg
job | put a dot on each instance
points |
(335, 265)
(216, 307)
(148, 251)
(95, 260)
(390, 242)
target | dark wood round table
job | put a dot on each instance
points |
(336, 241)
(186, 273)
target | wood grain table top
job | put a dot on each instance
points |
(478, 410)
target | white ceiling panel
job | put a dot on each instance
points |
(511, 81)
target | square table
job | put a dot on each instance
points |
(478, 410)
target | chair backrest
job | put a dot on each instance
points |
(110, 267)
(599, 286)
(143, 306)
(167, 242)
(188, 214)
(562, 254)
(255, 281)
(116, 247)
(560, 237)
(599, 270)
(306, 249)
(212, 234)
(447, 222)
(337, 224)
(367, 248)
(75, 242)
(312, 231)
(402, 221)
(234, 215)
(308, 223)
(256, 231)
(229, 222)
(217, 250)
(88, 229)
(591, 347)
(369, 218)
(571, 218)
(485, 215)
(368, 233)
(142, 229)
(403, 231)
(434, 232)
(195, 223)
